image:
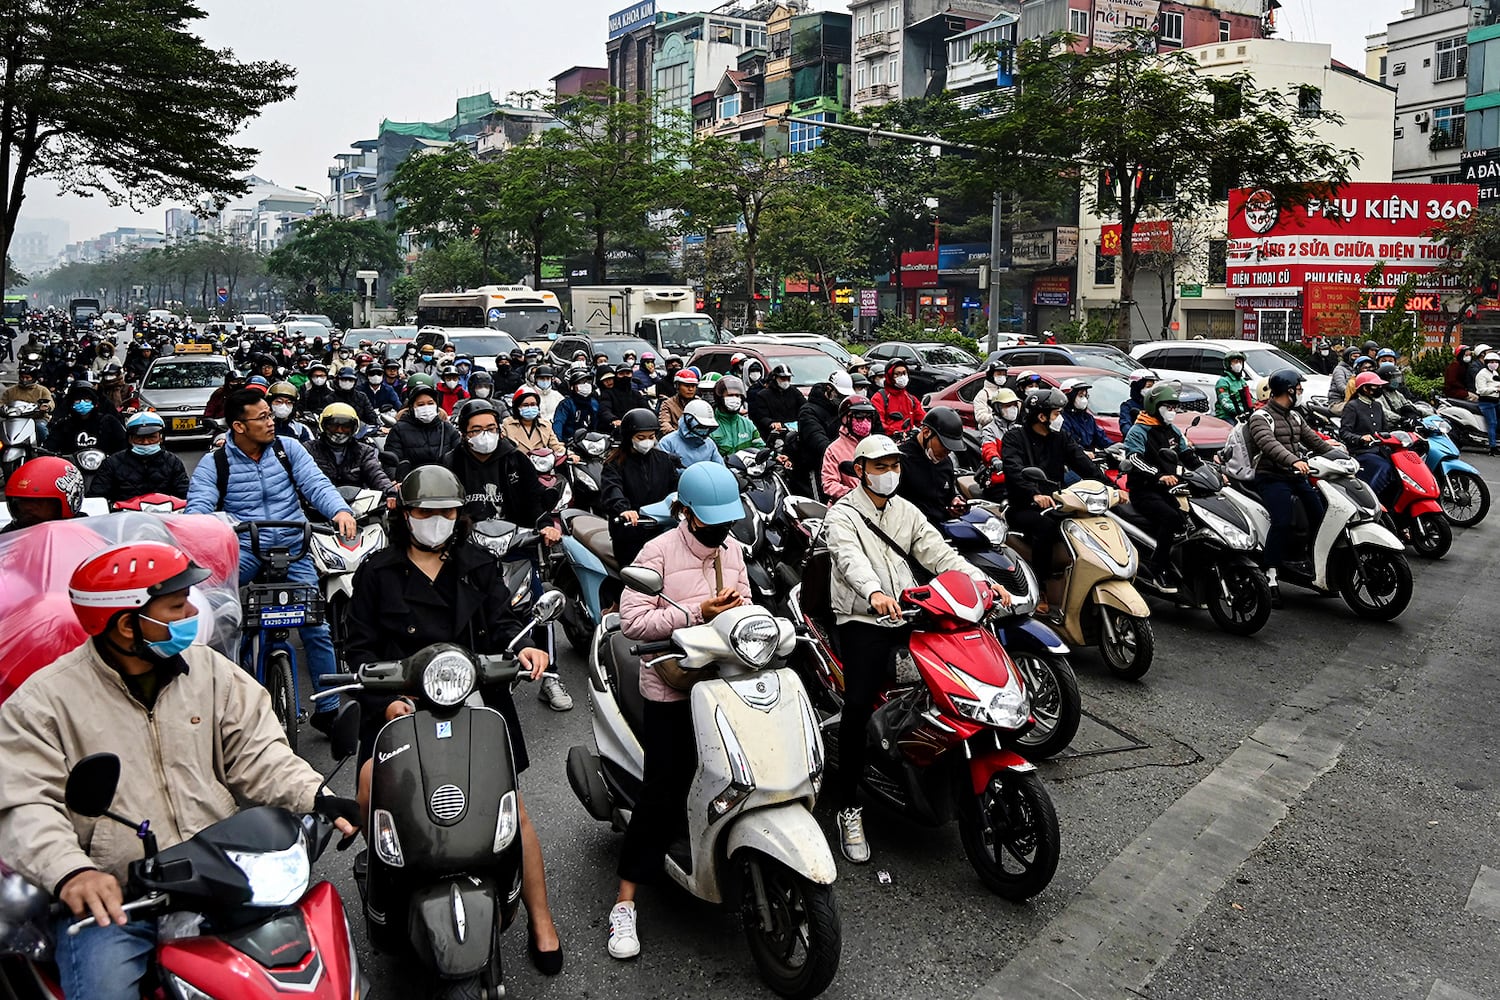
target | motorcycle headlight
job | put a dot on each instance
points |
(814, 742)
(1002, 707)
(993, 530)
(1443, 427)
(387, 844)
(594, 448)
(182, 989)
(1410, 482)
(754, 639)
(89, 461)
(1080, 535)
(585, 480)
(277, 878)
(331, 557)
(448, 678)
(507, 823)
(542, 463)
(1234, 536)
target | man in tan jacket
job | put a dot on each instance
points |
(195, 735)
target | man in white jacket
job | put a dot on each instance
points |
(869, 574)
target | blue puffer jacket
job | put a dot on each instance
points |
(260, 491)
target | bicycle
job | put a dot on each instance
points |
(273, 605)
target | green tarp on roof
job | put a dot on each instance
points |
(467, 110)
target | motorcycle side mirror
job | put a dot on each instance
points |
(1195, 421)
(1168, 456)
(847, 468)
(549, 607)
(550, 496)
(92, 783)
(643, 581)
(344, 738)
(1034, 474)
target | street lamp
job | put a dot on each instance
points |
(322, 198)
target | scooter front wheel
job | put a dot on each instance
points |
(1127, 642)
(1009, 833)
(797, 938)
(1376, 583)
(1465, 498)
(1055, 704)
(1246, 607)
(1431, 535)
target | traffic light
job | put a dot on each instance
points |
(1491, 287)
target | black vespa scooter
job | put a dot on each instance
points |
(442, 878)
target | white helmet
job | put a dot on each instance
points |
(701, 412)
(875, 446)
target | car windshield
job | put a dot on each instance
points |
(1106, 357)
(482, 345)
(186, 375)
(312, 318)
(807, 369)
(1106, 393)
(614, 348)
(256, 319)
(1263, 361)
(683, 334)
(395, 350)
(945, 355)
(526, 322)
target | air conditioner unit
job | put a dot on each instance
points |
(1422, 117)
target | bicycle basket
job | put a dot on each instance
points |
(282, 605)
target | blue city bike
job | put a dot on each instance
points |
(272, 606)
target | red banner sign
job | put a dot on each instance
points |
(1151, 236)
(1276, 249)
(919, 269)
(1331, 310)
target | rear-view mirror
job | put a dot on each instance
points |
(92, 783)
(642, 581)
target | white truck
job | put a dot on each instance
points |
(661, 314)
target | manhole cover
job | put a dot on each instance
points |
(1101, 745)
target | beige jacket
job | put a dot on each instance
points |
(211, 742)
(863, 563)
(540, 435)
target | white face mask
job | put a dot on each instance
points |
(1057, 423)
(1080, 403)
(900, 381)
(426, 413)
(1236, 367)
(346, 384)
(481, 392)
(375, 380)
(1009, 412)
(319, 380)
(451, 383)
(484, 442)
(584, 388)
(784, 383)
(433, 532)
(644, 446)
(281, 410)
(884, 483)
(732, 404)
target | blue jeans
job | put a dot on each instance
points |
(1276, 493)
(316, 642)
(1491, 412)
(105, 963)
(1376, 470)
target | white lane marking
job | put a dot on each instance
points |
(1447, 991)
(1125, 924)
(1484, 897)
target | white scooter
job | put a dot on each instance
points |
(19, 434)
(337, 558)
(751, 833)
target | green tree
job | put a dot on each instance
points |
(13, 278)
(121, 98)
(821, 233)
(326, 251)
(452, 266)
(533, 201)
(404, 292)
(1150, 136)
(738, 183)
(451, 195)
(1473, 247)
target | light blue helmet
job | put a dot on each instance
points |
(711, 492)
(144, 423)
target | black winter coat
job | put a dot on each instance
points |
(125, 475)
(352, 464)
(774, 405)
(1360, 417)
(412, 441)
(69, 432)
(356, 399)
(1053, 454)
(315, 398)
(930, 485)
(817, 425)
(505, 486)
(617, 401)
(636, 482)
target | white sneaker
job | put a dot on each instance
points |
(852, 835)
(554, 695)
(622, 940)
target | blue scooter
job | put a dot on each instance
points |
(1463, 494)
(585, 562)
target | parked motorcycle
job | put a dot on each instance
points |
(248, 920)
(1462, 490)
(442, 878)
(1416, 515)
(752, 838)
(1465, 421)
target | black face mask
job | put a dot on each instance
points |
(711, 535)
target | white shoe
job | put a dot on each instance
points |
(852, 835)
(622, 940)
(554, 695)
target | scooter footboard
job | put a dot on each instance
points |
(789, 834)
(452, 925)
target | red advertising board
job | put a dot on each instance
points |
(1331, 310)
(1150, 236)
(1277, 249)
(919, 269)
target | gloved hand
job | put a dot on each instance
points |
(345, 816)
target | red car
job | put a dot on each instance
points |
(1107, 391)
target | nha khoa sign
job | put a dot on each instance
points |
(626, 20)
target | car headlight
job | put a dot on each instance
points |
(277, 878)
(755, 639)
(448, 678)
(1236, 537)
(387, 844)
(507, 823)
(741, 779)
(1002, 707)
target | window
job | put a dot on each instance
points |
(862, 77)
(1280, 325)
(755, 37)
(892, 74)
(1078, 22)
(1223, 31)
(1448, 127)
(875, 25)
(804, 137)
(1385, 67)
(1218, 262)
(1452, 58)
(672, 82)
(895, 18)
(1171, 27)
(875, 80)
(864, 26)
(1448, 178)
(729, 105)
(1104, 267)
(1309, 102)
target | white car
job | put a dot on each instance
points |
(1201, 363)
(254, 323)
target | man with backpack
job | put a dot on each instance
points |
(257, 476)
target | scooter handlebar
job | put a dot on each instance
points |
(647, 648)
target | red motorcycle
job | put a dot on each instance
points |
(152, 503)
(1416, 513)
(944, 736)
(266, 929)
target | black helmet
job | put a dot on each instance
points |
(637, 420)
(947, 425)
(1371, 347)
(431, 487)
(1039, 401)
(1350, 353)
(602, 372)
(473, 408)
(1388, 371)
(480, 378)
(1285, 380)
(782, 371)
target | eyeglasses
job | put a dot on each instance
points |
(264, 418)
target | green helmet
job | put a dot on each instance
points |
(1161, 392)
(431, 487)
(1232, 357)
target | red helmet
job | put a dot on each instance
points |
(48, 478)
(522, 393)
(1367, 378)
(127, 577)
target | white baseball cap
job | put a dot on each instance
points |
(842, 383)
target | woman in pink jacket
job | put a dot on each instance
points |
(707, 577)
(856, 418)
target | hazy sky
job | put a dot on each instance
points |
(409, 61)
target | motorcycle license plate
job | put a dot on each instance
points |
(289, 616)
(184, 423)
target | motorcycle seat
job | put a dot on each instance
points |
(593, 534)
(1129, 513)
(1464, 404)
(624, 672)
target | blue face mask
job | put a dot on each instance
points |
(530, 412)
(146, 449)
(83, 407)
(182, 633)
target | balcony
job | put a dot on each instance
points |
(874, 43)
(875, 93)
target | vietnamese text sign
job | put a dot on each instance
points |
(1482, 167)
(1115, 19)
(1150, 236)
(869, 301)
(626, 20)
(1337, 241)
(1067, 244)
(1033, 249)
(1331, 310)
(919, 269)
(1052, 290)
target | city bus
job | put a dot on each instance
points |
(518, 310)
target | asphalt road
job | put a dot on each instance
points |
(1307, 813)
